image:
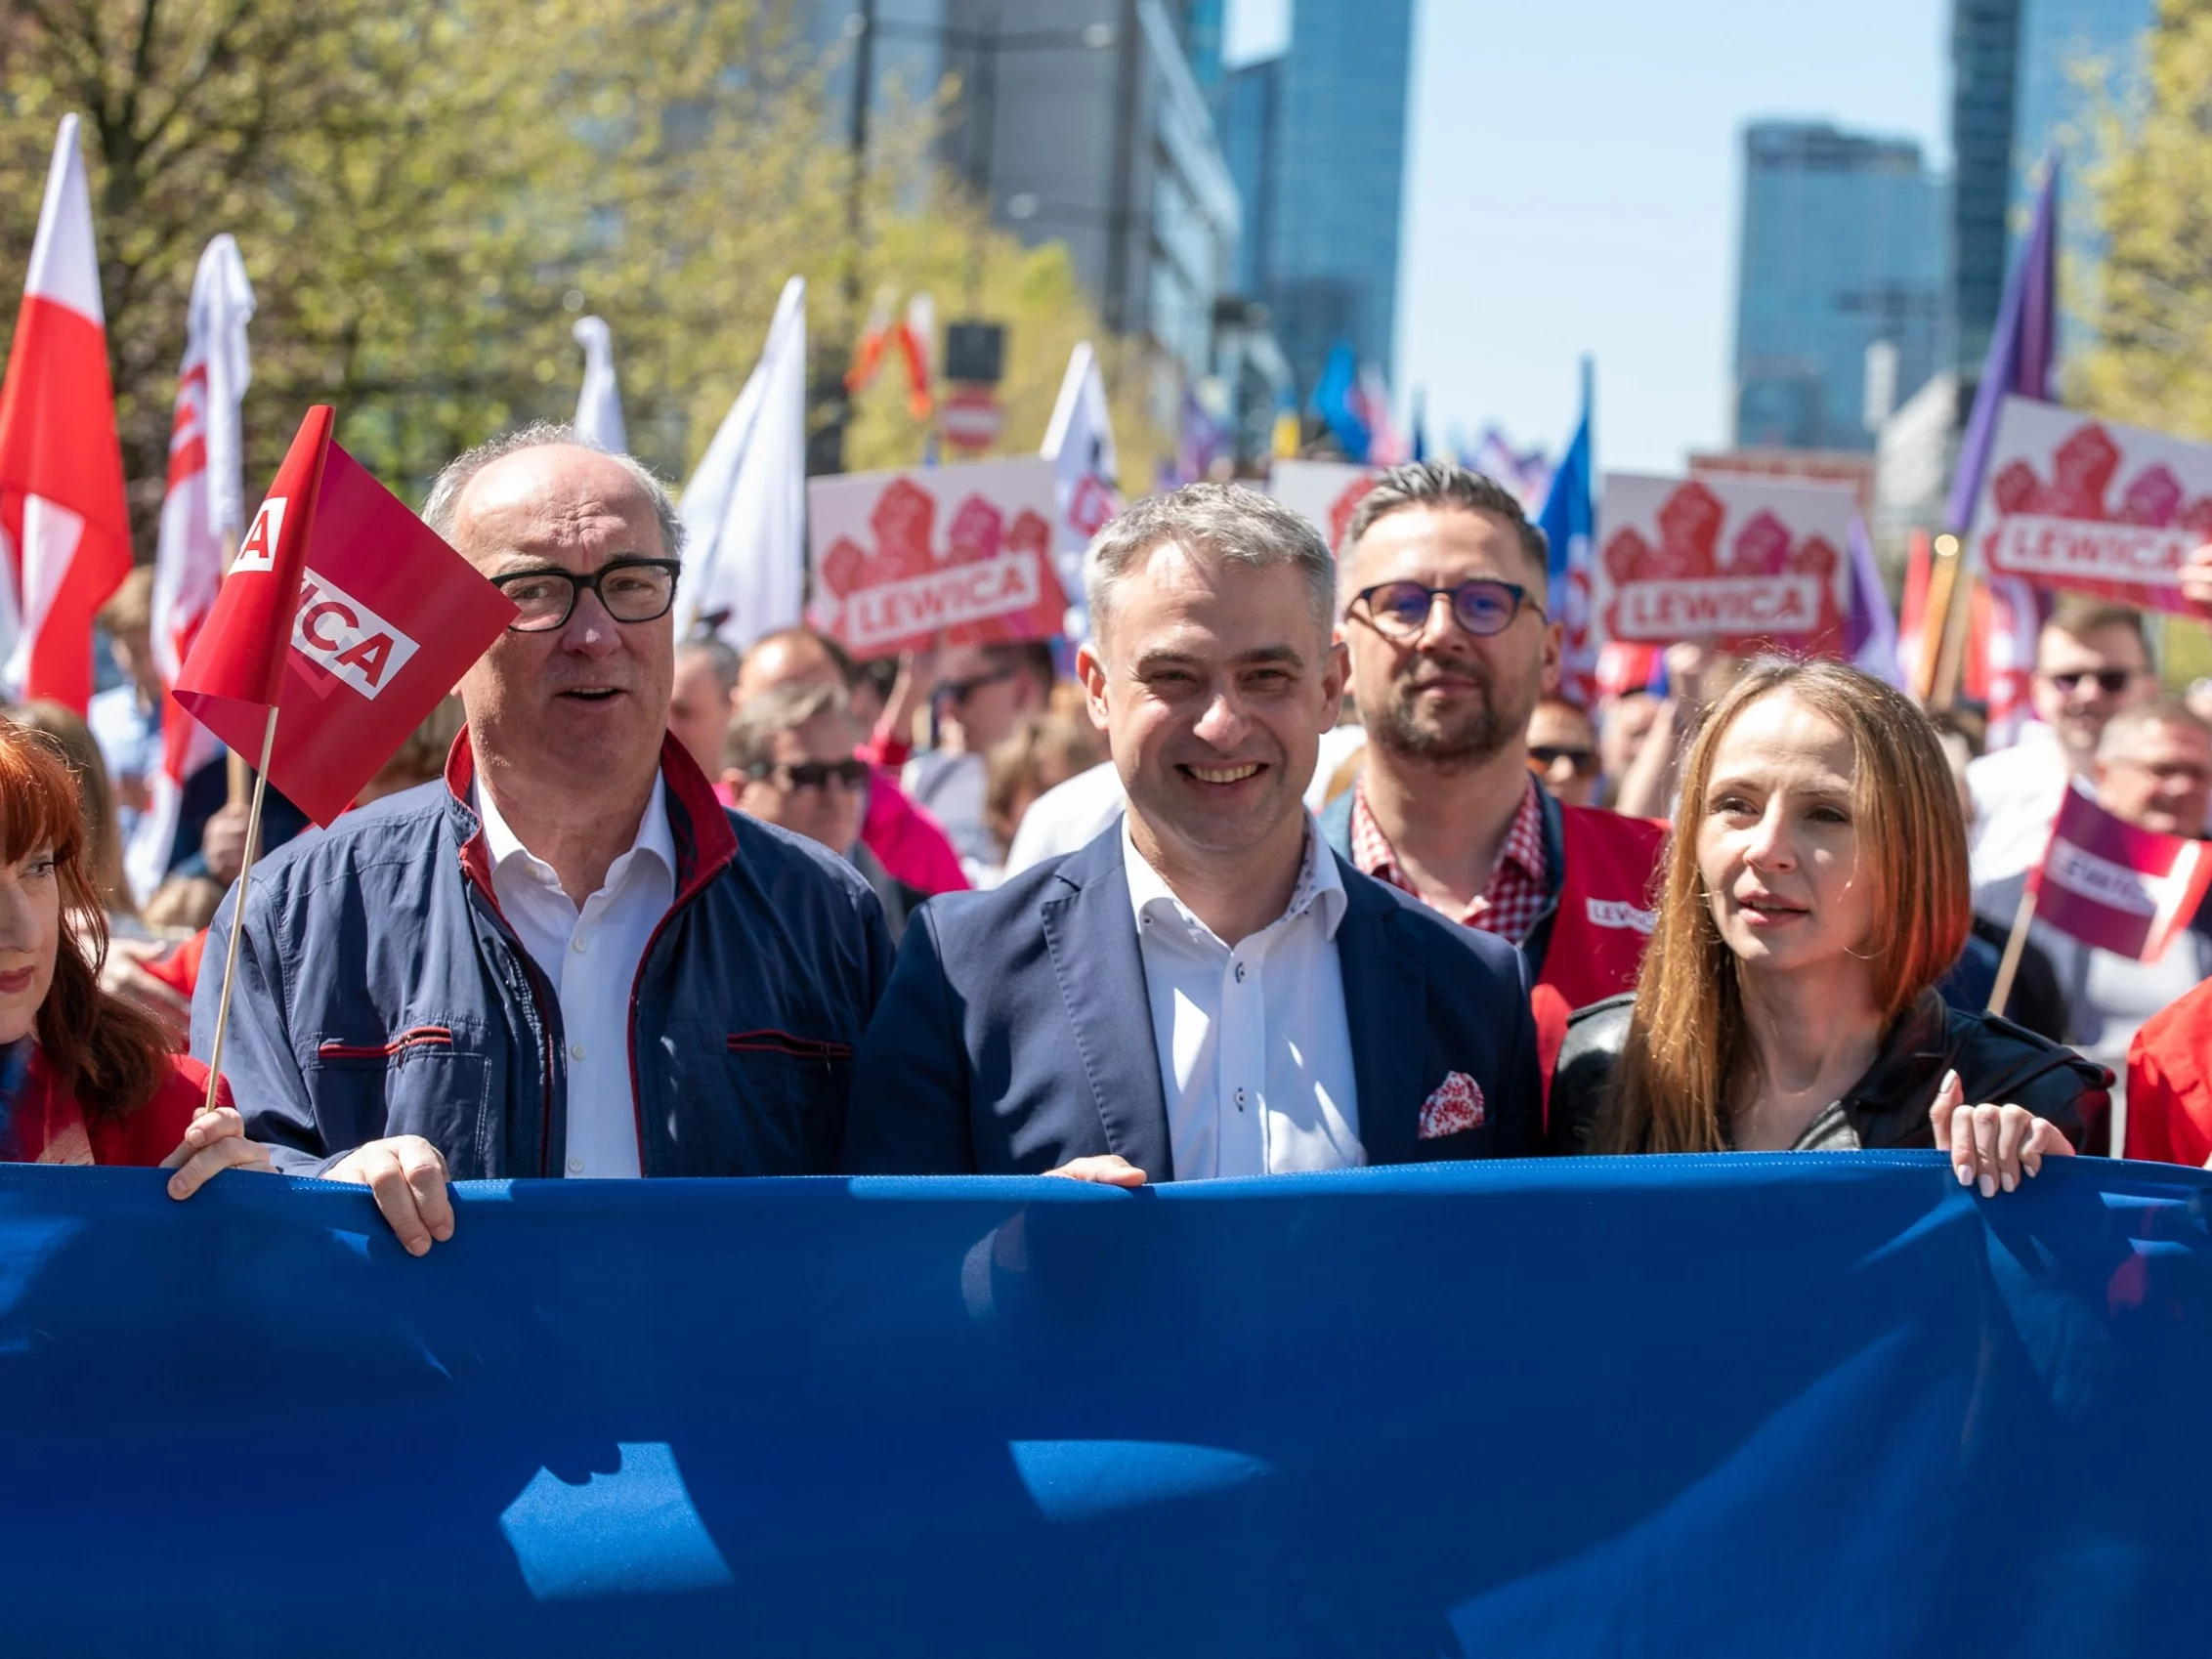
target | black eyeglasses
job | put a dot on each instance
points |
(633, 590)
(812, 773)
(1544, 756)
(1400, 609)
(2110, 681)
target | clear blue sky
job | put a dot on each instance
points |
(1573, 187)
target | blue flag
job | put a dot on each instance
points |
(1337, 401)
(1568, 519)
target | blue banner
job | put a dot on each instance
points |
(1744, 1404)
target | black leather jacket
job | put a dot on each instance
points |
(1996, 1060)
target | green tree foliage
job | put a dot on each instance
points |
(426, 191)
(2148, 299)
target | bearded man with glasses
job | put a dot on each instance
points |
(565, 957)
(1442, 595)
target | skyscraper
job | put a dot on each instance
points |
(1839, 289)
(1316, 139)
(2015, 97)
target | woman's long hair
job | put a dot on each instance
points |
(1686, 1037)
(110, 1055)
(65, 729)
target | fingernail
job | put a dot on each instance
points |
(1988, 1186)
(176, 1189)
(420, 1247)
(1965, 1173)
(2011, 1182)
(1950, 1081)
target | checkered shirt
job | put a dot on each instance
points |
(1517, 892)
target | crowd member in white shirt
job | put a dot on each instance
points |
(1206, 989)
(2153, 769)
(2091, 661)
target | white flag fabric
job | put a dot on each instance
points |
(202, 516)
(599, 405)
(1080, 445)
(744, 509)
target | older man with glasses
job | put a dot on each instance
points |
(1443, 605)
(565, 959)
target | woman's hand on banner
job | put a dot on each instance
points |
(407, 1176)
(214, 1141)
(1110, 1171)
(1992, 1145)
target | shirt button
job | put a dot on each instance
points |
(576, 944)
(1240, 1099)
(575, 1050)
(576, 1166)
(1240, 979)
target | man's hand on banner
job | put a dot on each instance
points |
(1992, 1144)
(1111, 1171)
(214, 1141)
(2197, 580)
(407, 1176)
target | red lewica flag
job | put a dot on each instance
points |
(377, 620)
(64, 534)
(2120, 888)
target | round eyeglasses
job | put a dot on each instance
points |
(1400, 609)
(632, 590)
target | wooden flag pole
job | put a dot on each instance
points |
(234, 762)
(2014, 947)
(1935, 616)
(238, 911)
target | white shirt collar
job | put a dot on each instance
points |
(653, 835)
(1320, 886)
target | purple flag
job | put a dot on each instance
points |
(1870, 632)
(2021, 351)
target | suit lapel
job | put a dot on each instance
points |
(1091, 932)
(1385, 1002)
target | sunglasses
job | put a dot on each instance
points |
(1400, 609)
(812, 773)
(959, 691)
(2110, 681)
(1541, 757)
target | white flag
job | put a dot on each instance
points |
(599, 405)
(744, 509)
(201, 516)
(1080, 445)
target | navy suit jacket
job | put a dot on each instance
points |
(1016, 1031)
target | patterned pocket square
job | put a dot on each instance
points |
(1456, 1105)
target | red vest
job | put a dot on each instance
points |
(1610, 872)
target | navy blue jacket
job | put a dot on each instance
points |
(1016, 1031)
(381, 992)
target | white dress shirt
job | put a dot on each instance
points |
(1255, 1052)
(2016, 792)
(591, 958)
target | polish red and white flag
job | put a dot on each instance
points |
(202, 516)
(64, 531)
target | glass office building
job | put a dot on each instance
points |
(1839, 288)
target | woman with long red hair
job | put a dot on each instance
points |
(1814, 891)
(85, 1078)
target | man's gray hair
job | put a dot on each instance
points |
(1444, 484)
(1218, 523)
(445, 491)
(761, 720)
(2121, 731)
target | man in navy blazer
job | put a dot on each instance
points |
(1206, 989)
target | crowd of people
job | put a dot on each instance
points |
(1307, 865)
